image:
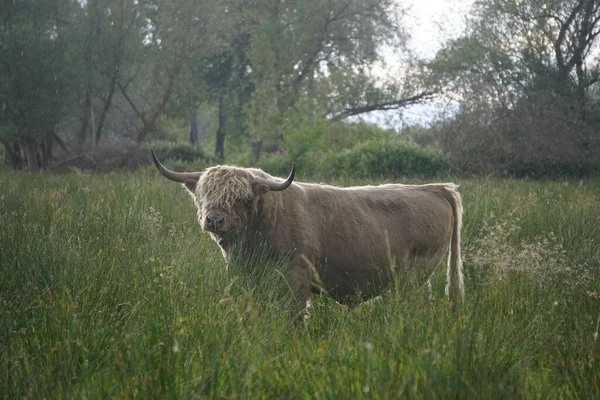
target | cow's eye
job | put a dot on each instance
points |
(244, 202)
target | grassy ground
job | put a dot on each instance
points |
(108, 289)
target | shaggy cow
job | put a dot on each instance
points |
(348, 241)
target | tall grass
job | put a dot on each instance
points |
(108, 289)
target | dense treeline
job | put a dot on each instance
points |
(245, 79)
(526, 78)
(82, 72)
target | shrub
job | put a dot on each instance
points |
(540, 137)
(106, 156)
(378, 158)
(386, 157)
(548, 168)
(319, 136)
(278, 164)
(182, 152)
(322, 149)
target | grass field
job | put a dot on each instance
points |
(108, 289)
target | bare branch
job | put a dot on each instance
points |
(390, 105)
(131, 102)
(564, 29)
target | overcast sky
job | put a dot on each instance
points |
(430, 23)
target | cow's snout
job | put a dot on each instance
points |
(214, 222)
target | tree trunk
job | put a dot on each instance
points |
(32, 154)
(45, 153)
(31, 158)
(93, 126)
(147, 128)
(109, 98)
(193, 131)
(18, 156)
(12, 151)
(256, 151)
(82, 134)
(220, 146)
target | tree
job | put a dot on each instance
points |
(109, 31)
(224, 70)
(35, 79)
(525, 71)
(119, 68)
(317, 57)
(517, 47)
(175, 32)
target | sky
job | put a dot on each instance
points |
(430, 23)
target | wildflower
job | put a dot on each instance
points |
(542, 258)
(152, 220)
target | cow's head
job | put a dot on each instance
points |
(227, 197)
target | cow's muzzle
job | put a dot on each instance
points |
(214, 223)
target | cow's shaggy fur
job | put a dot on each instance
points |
(211, 193)
(344, 239)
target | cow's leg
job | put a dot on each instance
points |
(299, 278)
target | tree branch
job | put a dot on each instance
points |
(565, 69)
(390, 105)
(131, 102)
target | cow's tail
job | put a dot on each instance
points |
(455, 287)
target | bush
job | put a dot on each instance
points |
(326, 150)
(279, 165)
(183, 153)
(379, 158)
(541, 137)
(548, 168)
(305, 144)
(106, 156)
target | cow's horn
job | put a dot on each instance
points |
(278, 186)
(175, 176)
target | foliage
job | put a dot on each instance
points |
(384, 159)
(319, 134)
(35, 79)
(551, 168)
(316, 59)
(79, 73)
(181, 152)
(523, 80)
(529, 46)
(109, 289)
(540, 138)
(526, 82)
(330, 150)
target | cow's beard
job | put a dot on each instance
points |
(239, 239)
(247, 235)
(225, 239)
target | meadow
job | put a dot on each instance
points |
(108, 289)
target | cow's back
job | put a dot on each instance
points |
(359, 228)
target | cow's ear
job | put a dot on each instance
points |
(259, 189)
(190, 184)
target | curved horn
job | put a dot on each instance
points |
(172, 175)
(278, 186)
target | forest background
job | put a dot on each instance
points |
(92, 84)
